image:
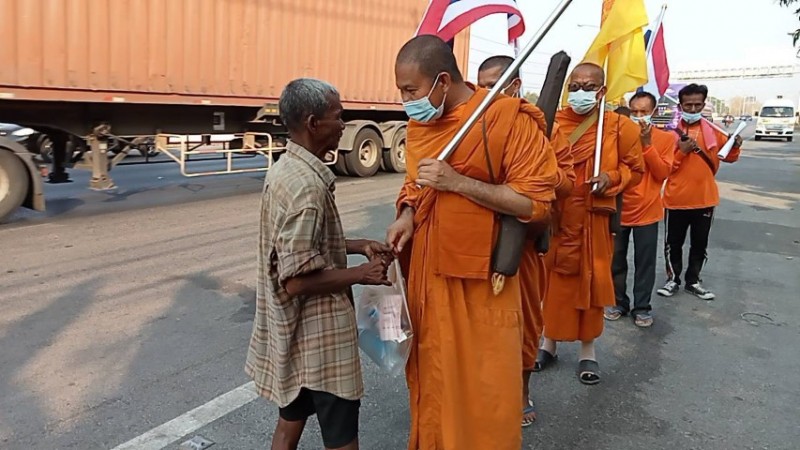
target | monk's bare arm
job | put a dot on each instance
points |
(497, 197)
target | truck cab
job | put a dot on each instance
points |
(776, 120)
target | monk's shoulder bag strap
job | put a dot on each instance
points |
(614, 220)
(507, 252)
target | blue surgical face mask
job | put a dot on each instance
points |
(691, 117)
(582, 102)
(422, 110)
(646, 119)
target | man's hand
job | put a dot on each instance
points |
(374, 273)
(687, 145)
(603, 180)
(378, 250)
(737, 141)
(645, 133)
(438, 175)
(399, 233)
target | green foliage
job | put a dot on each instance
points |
(796, 34)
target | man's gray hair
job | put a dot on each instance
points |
(304, 97)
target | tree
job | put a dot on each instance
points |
(532, 97)
(796, 34)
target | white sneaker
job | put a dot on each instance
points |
(670, 288)
(700, 292)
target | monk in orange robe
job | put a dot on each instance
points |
(580, 284)
(532, 271)
(464, 370)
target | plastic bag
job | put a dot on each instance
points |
(384, 323)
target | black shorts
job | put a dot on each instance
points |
(338, 418)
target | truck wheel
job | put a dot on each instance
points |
(394, 159)
(13, 183)
(364, 159)
(789, 139)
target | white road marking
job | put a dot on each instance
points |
(167, 433)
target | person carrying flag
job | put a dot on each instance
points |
(463, 373)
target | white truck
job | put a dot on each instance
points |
(776, 119)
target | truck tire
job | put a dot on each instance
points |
(789, 139)
(13, 183)
(364, 159)
(394, 158)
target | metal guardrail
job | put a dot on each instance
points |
(776, 71)
(178, 148)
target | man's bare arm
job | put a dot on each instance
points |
(497, 197)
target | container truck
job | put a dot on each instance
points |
(92, 76)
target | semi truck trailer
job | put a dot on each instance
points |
(98, 78)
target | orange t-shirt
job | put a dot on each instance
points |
(692, 184)
(641, 205)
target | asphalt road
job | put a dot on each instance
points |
(123, 312)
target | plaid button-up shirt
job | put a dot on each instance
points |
(306, 341)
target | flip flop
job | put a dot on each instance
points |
(544, 359)
(587, 372)
(529, 410)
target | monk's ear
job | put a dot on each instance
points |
(602, 92)
(446, 81)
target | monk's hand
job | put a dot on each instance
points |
(399, 233)
(603, 180)
(645, 133)
(737, 141)
(438, 175)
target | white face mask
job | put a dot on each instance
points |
(583, 102)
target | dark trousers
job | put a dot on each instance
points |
(677, 222)
(645, 248)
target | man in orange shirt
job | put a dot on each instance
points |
(691, 192)
(642, 209)
(532, 271)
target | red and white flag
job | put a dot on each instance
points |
(445, 18)
(657, 66)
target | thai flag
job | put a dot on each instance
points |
(445, 18)
(657, 66)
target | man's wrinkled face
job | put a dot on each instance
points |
(414, 85)
(641, 107)
(693, 103)
(327, 129)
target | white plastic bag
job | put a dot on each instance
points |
(384, 323)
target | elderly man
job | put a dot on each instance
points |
(303, 353)
(533, 273)
(579, 261)
(464, 371)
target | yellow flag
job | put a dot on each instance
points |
(621, 41)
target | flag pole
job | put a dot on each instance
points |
(504, 79)
(598, 144)
(656, 29)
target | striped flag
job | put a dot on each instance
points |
(657, 66)
(446, 18)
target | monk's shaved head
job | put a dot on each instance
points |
(431, 55)
(500, 62)
(587, 70)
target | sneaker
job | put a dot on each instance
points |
(643, 319)
(670, 288)
(700, 292)
(614, 313)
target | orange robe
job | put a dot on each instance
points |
(580, 285)
(532, 271)
(464, 370)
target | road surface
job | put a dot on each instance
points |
(119, 317)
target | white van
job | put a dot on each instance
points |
(776, 120)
